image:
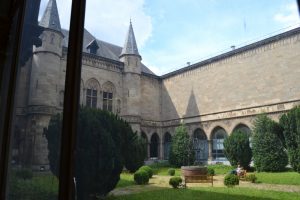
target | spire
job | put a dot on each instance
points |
(50, 18)
(130, 47)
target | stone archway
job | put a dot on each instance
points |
(242, 127)
(154, 146)
(144, 136)
(200, 145)
(167, 145)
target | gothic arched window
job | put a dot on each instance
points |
(108, 93)
(92, 88)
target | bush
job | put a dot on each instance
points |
(24, 174)
(268, 151)
(141, 177)
(171, 172)
(105, 143)
(148, 170)
(231, 180)
(181, 152)
(237, 149)
(175, 181)
(251, 177)
(290, 123)
(210, 171)
(136, 153)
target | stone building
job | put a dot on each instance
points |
(212, 97)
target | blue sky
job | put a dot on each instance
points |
(171, 33)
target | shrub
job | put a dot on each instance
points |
(237, 149)
(171, 172)
(290, 123)
(251, 177)
(148, 170)
(104, 146)
(210, 171)
(181, 152)
(268, 150)
(141, 177)
(231, 180)
(136, 153)
(24, 174)
(175, 181)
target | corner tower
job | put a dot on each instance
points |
(44, 84)
(132, 81)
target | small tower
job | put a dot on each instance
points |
(132, 81)
(44, 86)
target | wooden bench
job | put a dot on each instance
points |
(199, 179)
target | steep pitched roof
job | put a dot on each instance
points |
(105, 50)
(130, 47)
(50, 18)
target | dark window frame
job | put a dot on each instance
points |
(15, 16)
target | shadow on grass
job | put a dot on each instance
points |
(197, 194)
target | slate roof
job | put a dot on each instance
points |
(106, 50)
(130, 47)
(50, 17)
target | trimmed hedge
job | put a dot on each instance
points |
(141, 177)
(231, 180)
(171, 171)
(251, 177)
(175, 181)
(148, 170)
(210, 171)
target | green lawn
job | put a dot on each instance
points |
(286, 178)
(211, 193)
(126, 179)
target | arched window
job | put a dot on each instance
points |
(200, 145)
(154, 146)
(92, 88)
(108, 93)
(144, 136)
(218, 136)
(243, 128)
(167, 145)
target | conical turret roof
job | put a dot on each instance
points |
(130, 47)
(50, 18)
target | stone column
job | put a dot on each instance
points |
(148, 150)
(210, 150)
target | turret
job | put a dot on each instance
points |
(44, 87)
(132, 80)
(46, 63)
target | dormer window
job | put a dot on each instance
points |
(92, 47)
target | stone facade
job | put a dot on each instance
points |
(212, 97)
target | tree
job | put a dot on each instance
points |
(237, 149)
(290, 123)
(181, 152)
(102, 149)
(268, 150)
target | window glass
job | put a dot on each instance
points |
(36, 126)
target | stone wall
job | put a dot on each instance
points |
(249, 81)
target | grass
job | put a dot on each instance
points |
(212, 193)
(126, 179)
(285, 178)
(221, 169)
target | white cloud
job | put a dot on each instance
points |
(288, 15)
(109, 20)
